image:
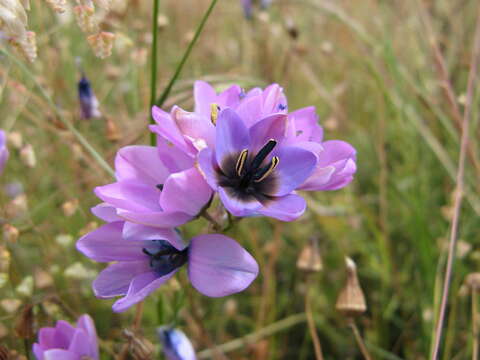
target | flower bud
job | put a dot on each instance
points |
(176, 345)
(88, 101)
(351, 300)
(10, 233)
(473, 281)
(70, 207)
(16, 139)
(27, 155)
(111, 130)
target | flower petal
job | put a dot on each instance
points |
(59, 354)
(86, 323)
(274, 100)
(232, 135)
(270, 127)
(116, 278)
(161, 219)
(186, 192)
(105, 212)
(303, 125)
(219, 266)
(204, 95)
(206, 159)
(140, 163)
(80, 344)
(294, 168)
(107, 244)
(167, 128)
(250, 109)
(285, 208)
(130, 195)
(137, 232)
(140, 287)
(238, 207)
(196, 128)
(47, 339)
(174, 158)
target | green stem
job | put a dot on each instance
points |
(67, 123)
(153, 73)
(161, 100)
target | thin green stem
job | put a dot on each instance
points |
(153, 71)
(161, 100)
(97, 157)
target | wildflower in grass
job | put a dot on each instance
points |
(247, 8)
(175, 344)
(66, 342)
(3, 150)
(254, 171)
(88, 101)
(156, 186)
(147, 257)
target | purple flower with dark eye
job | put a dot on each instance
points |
(156, 186)
(175, 344)
(3, 150)
(147, 257)
(66, 342)
(254, 172)
(88, 101)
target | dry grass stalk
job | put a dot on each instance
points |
(459, 190)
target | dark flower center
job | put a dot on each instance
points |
(164, 257)
(246, 176)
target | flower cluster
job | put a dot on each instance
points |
(244, 148)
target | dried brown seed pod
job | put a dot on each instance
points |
(351, 300)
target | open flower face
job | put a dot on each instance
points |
(155, 189)
(253, 171)
(66, 342)
(145, 258)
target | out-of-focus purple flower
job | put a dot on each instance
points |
(253, 170)
(88, 101)
(176, 345)
(265, 3)
(156, 186)
(66, 342)
(3, 150)
(146, 257)
(247, 8)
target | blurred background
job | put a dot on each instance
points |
(372, 68)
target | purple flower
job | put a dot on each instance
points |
(247, 8)
(254, 172)
(176, 345)
(3, 150)
(147, 257)
(88, 101)
(156, 186)
(65, 342)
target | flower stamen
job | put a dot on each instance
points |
(263, 173)
(241, 162)
(214, 113)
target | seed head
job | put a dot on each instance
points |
(351, 300)
(309, 258)
(102, 44)
(59, 6)
(84, 15)
(10, 233)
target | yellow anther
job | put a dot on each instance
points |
(214, 113)
(273, 165)
(241, 162)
